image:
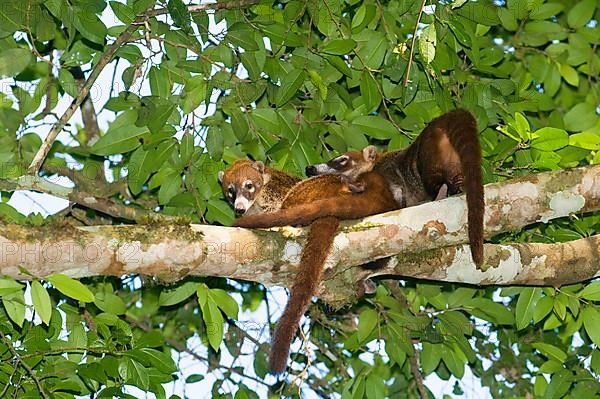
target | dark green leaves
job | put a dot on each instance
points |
(180, 14)
(290, 84)
(339, 46)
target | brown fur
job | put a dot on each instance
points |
(271, 185)
(303, 197)
(430, 167)
(318, 245)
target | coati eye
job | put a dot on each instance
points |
(343, 160)
(249, 186)
(231, 192)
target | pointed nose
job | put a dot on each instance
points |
(240, 211)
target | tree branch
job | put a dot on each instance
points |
(39, 157)
(81, 197)
(271, 257)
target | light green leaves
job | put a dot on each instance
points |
(210, 302)
(70, 287)
(173, 296)
(550, 139)
(591, 322)
(13, 61)
(41, 301)
(526, 306)
(581, 13)
(367, 322)
(427, 43)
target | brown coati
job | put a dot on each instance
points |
(320, 238)
(253, 188)
(446, 157)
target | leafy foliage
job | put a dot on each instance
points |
(292, 83)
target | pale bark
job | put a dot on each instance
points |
(269, 257)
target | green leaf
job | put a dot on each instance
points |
(225, 302)
(13, 61)
(367, 321)
(587, 140)
(369, 92)
(178, 294)
(526, 306)
(582, 116)
(71, 287)
(543, 308)
(170, 187)
(550, 139)
(427, 43)
(159, 82)
(522, 126)
(339, 46)
(569, 74)
(14, 304)
(41, 301)
(180, 14)
(137, 374)
(376, 126)
(123, 12)
(581, 13)
(219, 211)
(290, 84)
(591, 322)
(240, 35)
(119, 139)
(550, 351)
(215, 143)
(192, 378)
(214, 323)
(559, 385)
(430, 357)
(68, 83)
(110, 303)
(591, 292)
(9, 286)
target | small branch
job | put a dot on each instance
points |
(83, 93)
(83, 198)
(416, 372)
(104, 60)
(29, 370)
(412, 46)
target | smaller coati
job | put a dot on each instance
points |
(253, 188)
(375, 196)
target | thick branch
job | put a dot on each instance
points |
(270, 257)
(76, 195)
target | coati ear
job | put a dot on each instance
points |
(258, 165)
(370, 153)
(220, 176)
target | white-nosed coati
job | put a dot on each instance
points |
(320, 237)
(253, 188)
(445, 157)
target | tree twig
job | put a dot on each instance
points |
(29, 370)
(412, 46)
(416, 372)
(35, 165)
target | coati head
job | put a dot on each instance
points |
(350, 165)
(242, 183)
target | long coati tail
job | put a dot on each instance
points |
(464, 137)
(318, 245)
